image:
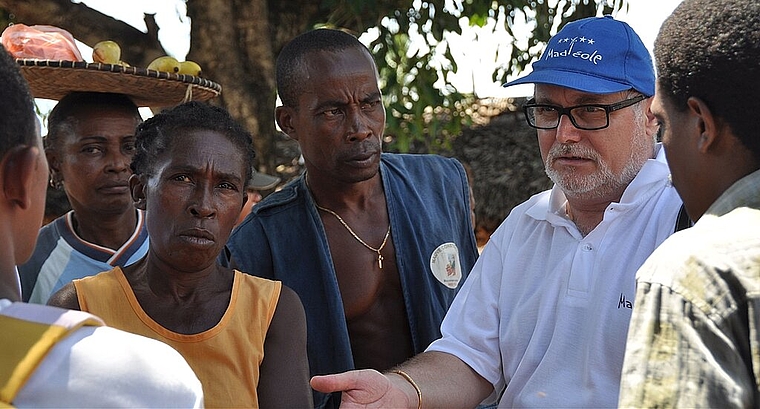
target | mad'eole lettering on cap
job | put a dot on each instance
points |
(593, 57)
(599, 55)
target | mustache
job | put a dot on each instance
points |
(367, 146)
(571, 150)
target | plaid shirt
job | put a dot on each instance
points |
(694, 337)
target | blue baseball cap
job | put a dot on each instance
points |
(599, 55)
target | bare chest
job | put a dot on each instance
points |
(373, 304)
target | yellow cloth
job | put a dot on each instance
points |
(226, 358)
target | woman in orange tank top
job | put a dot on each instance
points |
(244, 336)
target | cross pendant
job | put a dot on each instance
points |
(380, 260)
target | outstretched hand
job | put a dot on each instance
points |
(364, 388)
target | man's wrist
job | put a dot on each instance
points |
(408, 380)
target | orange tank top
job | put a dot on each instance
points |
(226, 358)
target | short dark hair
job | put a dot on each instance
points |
(291, 60)
(18, 122)
(711, 50)
(156, 135)
(63, 120)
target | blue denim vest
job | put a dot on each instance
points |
(284, 239)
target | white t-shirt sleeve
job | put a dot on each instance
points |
(106, 367)
(470, 330)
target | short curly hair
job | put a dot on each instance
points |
(711, 50)
(291, 64)
(157, 134)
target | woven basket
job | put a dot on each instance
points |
(51, 79)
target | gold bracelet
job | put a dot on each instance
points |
(414, 385)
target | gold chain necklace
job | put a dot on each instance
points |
(350, 230)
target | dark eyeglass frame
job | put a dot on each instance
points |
(566, 111)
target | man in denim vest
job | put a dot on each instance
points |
(375, 244)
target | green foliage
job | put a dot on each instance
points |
(417, 112)
(425, 111)
(42, 114)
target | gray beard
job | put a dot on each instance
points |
(602, 183)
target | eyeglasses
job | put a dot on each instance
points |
(587, 117)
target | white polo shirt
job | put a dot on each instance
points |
(105, 367)
(545, 310)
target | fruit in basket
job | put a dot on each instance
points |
(190, 68)
(106, 52)
(165, 63)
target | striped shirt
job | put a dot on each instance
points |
(61, 256)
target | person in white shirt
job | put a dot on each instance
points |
(51, 357)
(543, 317)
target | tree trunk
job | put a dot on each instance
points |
(236, 43)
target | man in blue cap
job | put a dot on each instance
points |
(543, 317)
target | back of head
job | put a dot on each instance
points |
(157, 134)
(18, 123)
(598, 55)
(290, 61)
(711, 50)
(63, 116)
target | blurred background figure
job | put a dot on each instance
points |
(260, 182)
